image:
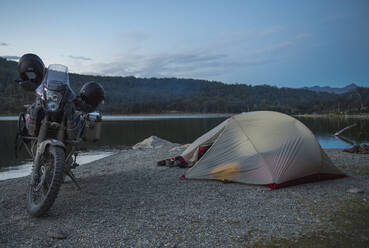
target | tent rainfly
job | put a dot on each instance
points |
(261, 147)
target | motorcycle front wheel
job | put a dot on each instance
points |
(46, 179)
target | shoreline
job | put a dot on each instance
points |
(110, 117)
(333, 152)
(353, 116)
(128, 201)
(182, 114)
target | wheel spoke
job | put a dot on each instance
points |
(47, 175)
(43, 177)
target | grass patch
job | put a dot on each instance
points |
(359, 170)
(352, 229)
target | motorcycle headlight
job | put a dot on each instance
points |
(53, 99)
(52, 106)
(52, 96)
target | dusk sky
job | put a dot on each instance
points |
(281, 43)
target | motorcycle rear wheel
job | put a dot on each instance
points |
(22, 129)
(46, 179)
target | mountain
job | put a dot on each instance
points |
(128, 95)
(328, 89)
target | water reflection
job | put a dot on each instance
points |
(123, 134)
(329, 126)
(117, 135)
(26, 168)
(127, 133)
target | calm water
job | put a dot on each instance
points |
(122, 132)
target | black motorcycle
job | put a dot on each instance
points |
(52, 127)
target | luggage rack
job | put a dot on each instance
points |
(30, 148)
(21, 141)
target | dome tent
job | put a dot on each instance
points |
(261, 147)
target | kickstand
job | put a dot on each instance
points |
(71, 175)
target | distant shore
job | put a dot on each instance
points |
(358, 116)
(191, 114)
(117, 117)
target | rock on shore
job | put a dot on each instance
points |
(152, 142)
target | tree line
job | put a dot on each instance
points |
(128, 95)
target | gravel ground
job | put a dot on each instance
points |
(127, 201)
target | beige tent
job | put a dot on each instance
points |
(261, 147)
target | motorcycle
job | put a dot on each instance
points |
(50, 131)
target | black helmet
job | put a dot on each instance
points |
(92, 93)
(31, 68)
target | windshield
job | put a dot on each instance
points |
(57, 77)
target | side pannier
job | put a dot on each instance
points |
(92, 129)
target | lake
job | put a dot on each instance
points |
(121, 132)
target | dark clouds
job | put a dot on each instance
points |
(79, 58)
(212, 59)
(132, 37)
(199, 64)
(164, 65)
(11, 57)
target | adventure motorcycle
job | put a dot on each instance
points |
(52, 127)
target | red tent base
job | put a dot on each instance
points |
(307, 179)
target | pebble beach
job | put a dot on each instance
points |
(128, 201)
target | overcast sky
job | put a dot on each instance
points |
(282, 43)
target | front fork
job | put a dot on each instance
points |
(43, 139)
(46, 124)
(43, 129)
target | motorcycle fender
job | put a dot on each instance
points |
(41, 148)
(52, 142)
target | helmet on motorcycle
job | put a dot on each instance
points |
(92, 93)
(31, 68)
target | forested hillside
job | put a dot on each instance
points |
(159, 95)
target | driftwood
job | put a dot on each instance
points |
(356, 148)
(344, 129)
(338, 134)
(345, 140)
(362, 149)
